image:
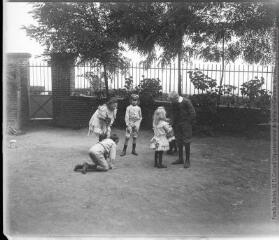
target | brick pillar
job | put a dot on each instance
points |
(63, 80)
(16, 90)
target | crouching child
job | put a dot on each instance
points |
(102, 154)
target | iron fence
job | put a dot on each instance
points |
(235, 75)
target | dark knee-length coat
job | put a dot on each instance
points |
(183, 114)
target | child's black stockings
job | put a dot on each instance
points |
(156, 158)
(159, 159)
(187, 150)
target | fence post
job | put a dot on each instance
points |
(275, 125)
(16, 91)
(63, 80)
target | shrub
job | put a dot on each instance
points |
(150, 86)
(96, 83)
(257, 96)
(202, 82)
(228, 89)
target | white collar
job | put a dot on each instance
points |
(180, 99)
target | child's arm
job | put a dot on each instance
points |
(140, 115)
(114, 117)
(127, 116)
(112, 154)
(90, 125)
(191, 109)
(102, 113)
(168, 130)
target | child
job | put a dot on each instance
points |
(162, 135)
(172, 142)
(183, 118)
(103, 118)
(133, 119)
(102, 155)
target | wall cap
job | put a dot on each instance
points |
(18, 55)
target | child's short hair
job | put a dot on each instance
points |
(173, 94)
(114, 137)
(134, 97)
(112, 100)
(102, 136)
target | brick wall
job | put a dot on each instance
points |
(16, 90)
(76, 112)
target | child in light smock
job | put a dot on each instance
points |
(163, 134)
(133, 119)
(103, 118)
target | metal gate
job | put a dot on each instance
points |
(40, 92)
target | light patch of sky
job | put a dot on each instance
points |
(15, 39)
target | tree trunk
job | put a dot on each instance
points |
(223, 69)
(106, 81)
(179, 71)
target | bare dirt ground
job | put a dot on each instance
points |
(226, 190)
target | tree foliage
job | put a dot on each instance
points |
(218, 31)
(81, 29)
(245, 27)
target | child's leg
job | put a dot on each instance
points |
(156, 156)
(102, 162)
(180, 154)
(170, 147)
(187, 150)
(161, 165)
(174, 145)
(123, 153)
(134, 146)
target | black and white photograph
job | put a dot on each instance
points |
(140, 119)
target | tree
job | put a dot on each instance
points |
(178, 25)
(81, 29)
(165, 25)
(237, 30)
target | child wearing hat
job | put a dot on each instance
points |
(133, 119)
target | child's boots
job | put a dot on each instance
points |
(123, 153)
(134, 150)
(187, 162)
(180, 155)
(156, 159)
(161, 165)
(173, 147)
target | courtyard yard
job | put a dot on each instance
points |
(226, 190)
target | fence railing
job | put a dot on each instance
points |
(235, 75)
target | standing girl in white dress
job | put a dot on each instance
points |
(103, 118)
(133, 119)
(163, 134)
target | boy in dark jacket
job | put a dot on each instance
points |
(183, 117)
